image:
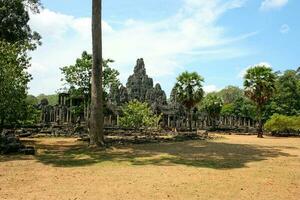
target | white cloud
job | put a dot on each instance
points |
(284, 29)
(165, 45)
(243, 71)
(210, 88)
(272, 4)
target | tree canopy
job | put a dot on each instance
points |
(14, 18)
(138, 115)
(188, 91)
(212, 105)
(13, 82)
(259, 84)
(78, 76)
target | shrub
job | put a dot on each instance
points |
(283, 124)
(138, 115)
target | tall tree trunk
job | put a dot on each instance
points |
(96, 120)
(260, 123)
(190, 120)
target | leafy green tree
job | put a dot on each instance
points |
(228, 109)
(138, 115)
(287, 96)
(52, 98)
(14, 78)
(212, 104)
(235, 103)
(230, 94)
(31, 113)
(16, 38)
(283, 124)
(78, 76)
(241, 107)
(259, 86)
(189, 91)
(14, 18)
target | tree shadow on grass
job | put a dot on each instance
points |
(208, 154)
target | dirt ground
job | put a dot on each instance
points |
(233, 167)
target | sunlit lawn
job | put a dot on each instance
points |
(233, 167)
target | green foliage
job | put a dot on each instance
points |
(188, 89)
(13, 82)
(235, 103)
(228, 109)
(52, 98)
(32, 114)
(286, 100)
(212, 104)
(138, 115)
(283, 124)
(230, 94)
(16, 38)
(259, 84)
(14, 18)
(78, 76)
(243, 107)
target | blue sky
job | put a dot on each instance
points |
(217, 38)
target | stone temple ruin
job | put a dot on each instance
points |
(139, 87)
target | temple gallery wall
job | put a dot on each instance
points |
(139, 87)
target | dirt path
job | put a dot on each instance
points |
(236, 167)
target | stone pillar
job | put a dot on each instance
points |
(71, 113)
(110, 120)
(67, 116)
(60, 115)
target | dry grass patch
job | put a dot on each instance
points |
(235, 167)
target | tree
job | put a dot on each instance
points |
(212, 105)
(138, 115)
(16, 38)
(13, 82)
(287, 97)
(96, 119)
(78, 76)
(259, 86)
(278, 124)
(14, 18)
(31, 113)
(189, 91)
(230, 94)
(51, 98)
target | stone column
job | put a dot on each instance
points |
(71, 114)
(67, 116)
(110, 120)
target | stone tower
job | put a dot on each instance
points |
(139, 83)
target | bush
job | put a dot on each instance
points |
(138, 115)
(283, 124)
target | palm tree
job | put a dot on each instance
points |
(259, 86)
(96, 119)
(189, 91)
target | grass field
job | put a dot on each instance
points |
(233, 167)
